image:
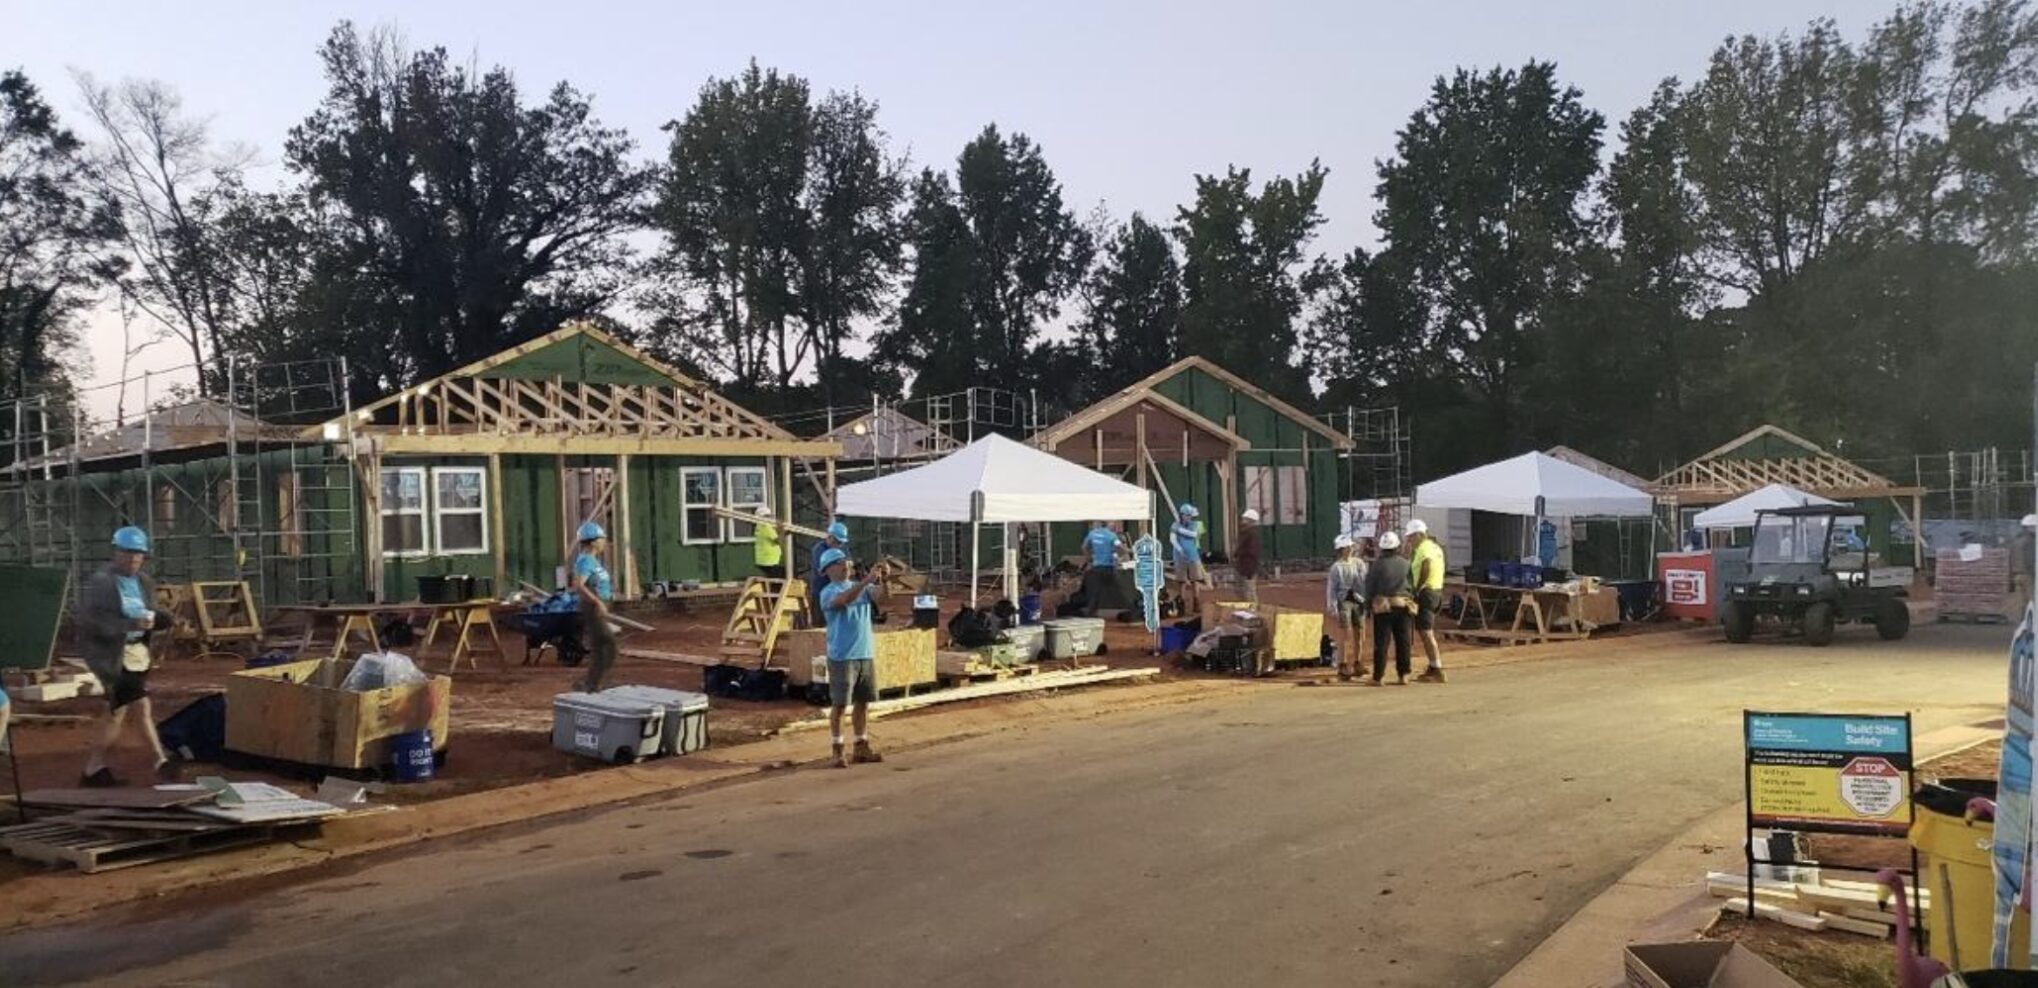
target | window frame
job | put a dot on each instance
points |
(1257, 484)
(687, 504)
(423, 511)
(730, 525)
(434, 528)
(1297, 512)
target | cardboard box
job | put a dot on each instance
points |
(1700, 964)
(296, 712)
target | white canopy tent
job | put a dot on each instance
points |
(996, 480)
(1740, 512)
(1536, 485)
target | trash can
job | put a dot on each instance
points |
(1960, 872)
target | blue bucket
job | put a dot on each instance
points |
(410, 757)
(1176, 639)
(1496, 574)
(1029, 608)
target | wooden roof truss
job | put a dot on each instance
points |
(1717, 476)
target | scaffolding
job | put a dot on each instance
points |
(1380, 464)
(205, 476)
(1974, 495)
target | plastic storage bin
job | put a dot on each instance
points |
(1029, 639)
(1074, 638)
(686, 715)
(610, 728)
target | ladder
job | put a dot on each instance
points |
(763, 610)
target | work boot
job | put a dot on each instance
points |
(1375, 681)
(841, 759)
(865, 753)
(1431, 675)
(1401, 679)
(1344, 675)
(102, 779)
(170, 770)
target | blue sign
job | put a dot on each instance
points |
(1829, 733)
(1147, 576)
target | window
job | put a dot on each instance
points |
(223, 503)
(589, 493)
(1259, 492)
(403, 511)
(700, 492)
(459, 510)
(1294, 484)
(749, 487)
(166, 507)
(289, 515)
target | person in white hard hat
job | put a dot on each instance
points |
(1389, 600)
(1426, 576)
(1245, 557)
(1344, 602)
(766, 552)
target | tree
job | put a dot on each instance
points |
(1132, 323)
(159, 167)
(855, 243)
(994, 255)
(459, 210)
(54, 242)
(1480, 205)
(1243, 254)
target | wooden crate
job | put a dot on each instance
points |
(905, 657)
(296, 712)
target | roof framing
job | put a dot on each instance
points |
(1716, 477)
(1101, 412)
(1338, 440)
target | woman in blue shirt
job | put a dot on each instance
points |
(590, 583)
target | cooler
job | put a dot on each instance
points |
(609, 728)
(686, 715)
(1690, 591)
(1030, 640)
(1074, 638)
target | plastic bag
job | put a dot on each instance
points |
(381, 670)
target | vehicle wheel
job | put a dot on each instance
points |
(1739, 621)
(1892, 620)
(623, 755)
(1818, 624)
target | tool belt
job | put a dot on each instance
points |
(1397, 602)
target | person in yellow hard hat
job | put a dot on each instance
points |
(114, 619)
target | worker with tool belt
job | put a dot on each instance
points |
(765, 550)
(591, 584)
(1426, 575)
(114, 621)
(1344, 603)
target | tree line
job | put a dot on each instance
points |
(1832, 234)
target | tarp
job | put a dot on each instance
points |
(1015, 482)
(1511, 487)
(1740, 512)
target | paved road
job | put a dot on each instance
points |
(1416, 836)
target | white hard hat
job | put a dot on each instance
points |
(1342, 542)
(1416, 526)
(2031, 521)
(1390, 541)
(764, 509)
(1251, 514)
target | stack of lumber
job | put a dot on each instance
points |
(1039, 681)
(51, 685)
(97, 830)
(1830, 904)
(1972, 586)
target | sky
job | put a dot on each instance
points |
(1129, 101)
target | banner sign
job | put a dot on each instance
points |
(1146, 575)
(1838, 773)
(1685, 587)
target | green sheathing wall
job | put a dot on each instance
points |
(533, 547)
(582, 359)
(1277, 440)
(656, 534)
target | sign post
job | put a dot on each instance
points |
(1829, 773)
(1146, 575)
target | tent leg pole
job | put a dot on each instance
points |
(1011, 566)
(973, 560)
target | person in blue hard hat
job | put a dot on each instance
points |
(817, 576)
(590, 583)
(115, 616)
(1187, 537)
(852, 673)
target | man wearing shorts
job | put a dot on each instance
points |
(1426, 575)
(1189, 555)
(114, 619)
(1344, 603)
(852, 676)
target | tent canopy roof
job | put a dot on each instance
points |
(1740, 512)
(1007, 481)
(1511, 487)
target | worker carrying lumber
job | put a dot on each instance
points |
(1187, 538)
(1391, 600)
(114, 620)
(590, 583)
(852, 672)
(766, 551)
(1426, 575)
(1344, 602)
(1245, 557)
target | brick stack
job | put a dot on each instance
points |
(1972, 587)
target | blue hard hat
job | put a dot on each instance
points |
(131, 539)
(839, 532)
(831, 557)
(1187, 509)
(590, 531)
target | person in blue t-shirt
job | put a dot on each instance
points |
(1104, 546)
(852, 673)
(591, 584)
(1187, 536)
(115, 616)
(838, 538)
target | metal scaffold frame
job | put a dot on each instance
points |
(199, 474)
(1380, 465)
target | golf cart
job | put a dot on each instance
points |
(1810, 568)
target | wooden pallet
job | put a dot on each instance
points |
(1965, 617)
(987, 673)
(96, 849)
